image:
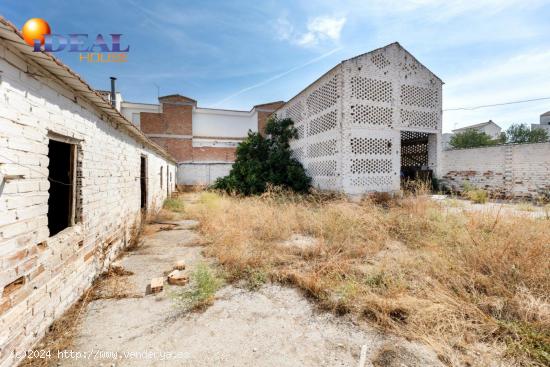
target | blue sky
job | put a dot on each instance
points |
(235, 54)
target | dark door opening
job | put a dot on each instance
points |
(61, 177)
(414, 156)
(143, 182)
(168, 181)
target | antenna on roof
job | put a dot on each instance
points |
(158, 90)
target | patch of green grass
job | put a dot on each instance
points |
(210, 199)
(478, 196)
(204, 284)
(524, 339)
(255, 278)
(375, 280)
(174, 204)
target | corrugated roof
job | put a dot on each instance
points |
(10, 33)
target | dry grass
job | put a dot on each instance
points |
(474, 286)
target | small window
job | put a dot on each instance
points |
(136, 119)
(61, 174)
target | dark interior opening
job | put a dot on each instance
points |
(143, 182)
(168, 181)
(60, 208)
(414, 156)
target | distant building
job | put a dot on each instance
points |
(489, 128)
(203, 140)
(544, 122)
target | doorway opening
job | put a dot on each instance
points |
(143, 182)
(414, 157)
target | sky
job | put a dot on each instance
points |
(236, 54)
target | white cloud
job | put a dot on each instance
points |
(319, 29)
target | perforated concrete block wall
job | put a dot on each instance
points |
(350, 121)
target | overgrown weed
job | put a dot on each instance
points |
(455, 280)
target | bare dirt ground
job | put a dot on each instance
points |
(125, 325)
(493, 208)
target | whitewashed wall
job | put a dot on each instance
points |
(513, 171)
(132, 110)
(56, 270)
(222, 123)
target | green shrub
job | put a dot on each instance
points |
(204, 284)
(521, 134)
(471, 139)
(266, 161)
(174, 204)
(478, 196)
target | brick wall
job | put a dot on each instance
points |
(264, 111)
(511, 171)
(173, 130)
(41, 276)
(203, 154)
(180, 149)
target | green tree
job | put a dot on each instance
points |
(266, 160)
(520, 134)
(470, 139)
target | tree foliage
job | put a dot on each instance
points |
(516, 134)
(471, 139)
(520, 134)
(262, 161)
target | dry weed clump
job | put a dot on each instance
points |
(473, 285)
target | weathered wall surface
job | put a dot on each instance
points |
(200, 135)
(511, 171)
(41, 276)
(201, 174)
(351, 121)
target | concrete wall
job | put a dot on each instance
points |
(511, 171)
(41, 276)
(223, 123)
(132, 111)
(201, 174)
(350, 120)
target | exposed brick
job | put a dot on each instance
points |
(50, 277)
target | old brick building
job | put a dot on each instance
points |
(203, 140)
(76, 180)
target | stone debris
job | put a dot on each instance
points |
(177, 277)
(157, 284)
(300, 242)
(179, 265)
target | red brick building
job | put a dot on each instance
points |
(202, 140)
